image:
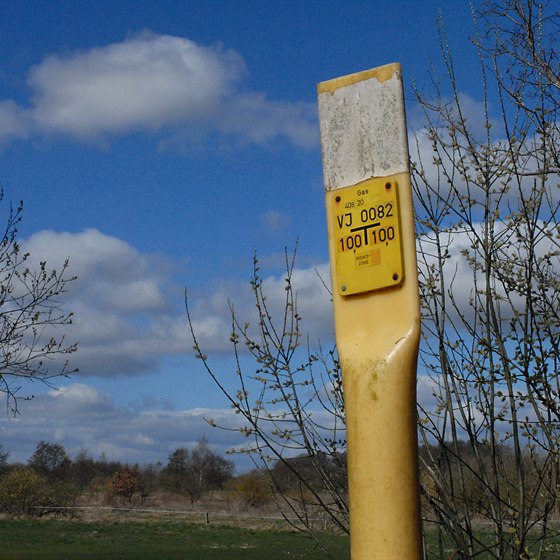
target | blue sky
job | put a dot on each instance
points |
(157, 145)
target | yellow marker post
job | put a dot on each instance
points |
(376, 304)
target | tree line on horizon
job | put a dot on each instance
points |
(52, 482)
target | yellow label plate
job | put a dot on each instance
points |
(367, 237)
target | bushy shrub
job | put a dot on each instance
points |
(252, 489)
(23, 492)
(128, 483)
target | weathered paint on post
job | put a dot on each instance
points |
(363, 137)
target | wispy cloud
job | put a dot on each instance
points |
(129, 311)
(158, 84)
(275, 221)
(211, 315)
(125, 316)
(13, 121)
(81, 417)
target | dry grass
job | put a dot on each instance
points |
(217, 507)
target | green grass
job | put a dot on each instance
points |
(161, 540)
(486, 539)
(60, 540)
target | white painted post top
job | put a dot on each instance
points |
(363, 126)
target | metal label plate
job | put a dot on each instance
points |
(367, 237)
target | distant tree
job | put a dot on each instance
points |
(30, 306)
(289, 473)
(50, 460)
(207, 470)
(82, 470)
(127, 483)
(150, 479)
(176, 469)
(106, 468)
(221, 470)
(198, 471)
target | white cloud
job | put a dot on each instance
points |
(129, 313)
(473, 111)
(78, 399)
(152, 83)
(112, 274)
(256, 119)
(81, 417)
(12, 121)
(493, 154)
(463, 267)
(426, 387)
(275, 221)
(144, 83)
(125, 319)
(212, 318)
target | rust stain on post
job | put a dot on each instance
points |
(381, 74)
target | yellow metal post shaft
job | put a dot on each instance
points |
(363, 136)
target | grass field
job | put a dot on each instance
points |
(550, 547)
(123, 540)
(61, 540)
